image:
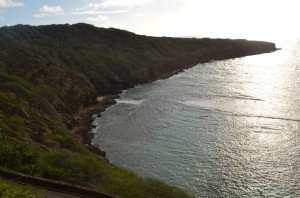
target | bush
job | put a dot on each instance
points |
(18, 156)
(72, 167)
(11, 190)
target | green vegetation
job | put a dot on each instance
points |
(48, 72)
(9, 189)
(82, 168)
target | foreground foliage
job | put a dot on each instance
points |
(81, 168)
(9, 189)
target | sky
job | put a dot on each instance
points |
(249, 19)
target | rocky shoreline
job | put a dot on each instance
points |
(85, 121)
(86, 116)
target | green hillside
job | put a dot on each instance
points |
(47, 73)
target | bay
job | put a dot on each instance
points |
(220, 129)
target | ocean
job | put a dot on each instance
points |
(219, 129)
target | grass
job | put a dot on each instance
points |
(82, 168)
(9, 189)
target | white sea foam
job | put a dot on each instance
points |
(128, 101)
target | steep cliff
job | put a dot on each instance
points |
(48, 73)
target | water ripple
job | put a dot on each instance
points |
(220, 129)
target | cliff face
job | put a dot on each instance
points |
(47, 73)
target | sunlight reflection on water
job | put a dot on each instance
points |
(220, 129)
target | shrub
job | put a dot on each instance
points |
(18, 156)
(11, 190)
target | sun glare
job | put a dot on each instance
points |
(251, 19)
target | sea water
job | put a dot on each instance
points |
(220, 129)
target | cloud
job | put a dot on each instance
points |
(100, 21)
(92, 11)
(98, 18)
(9, 3)
(124, 3)
(46, 10)
(102, 8)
